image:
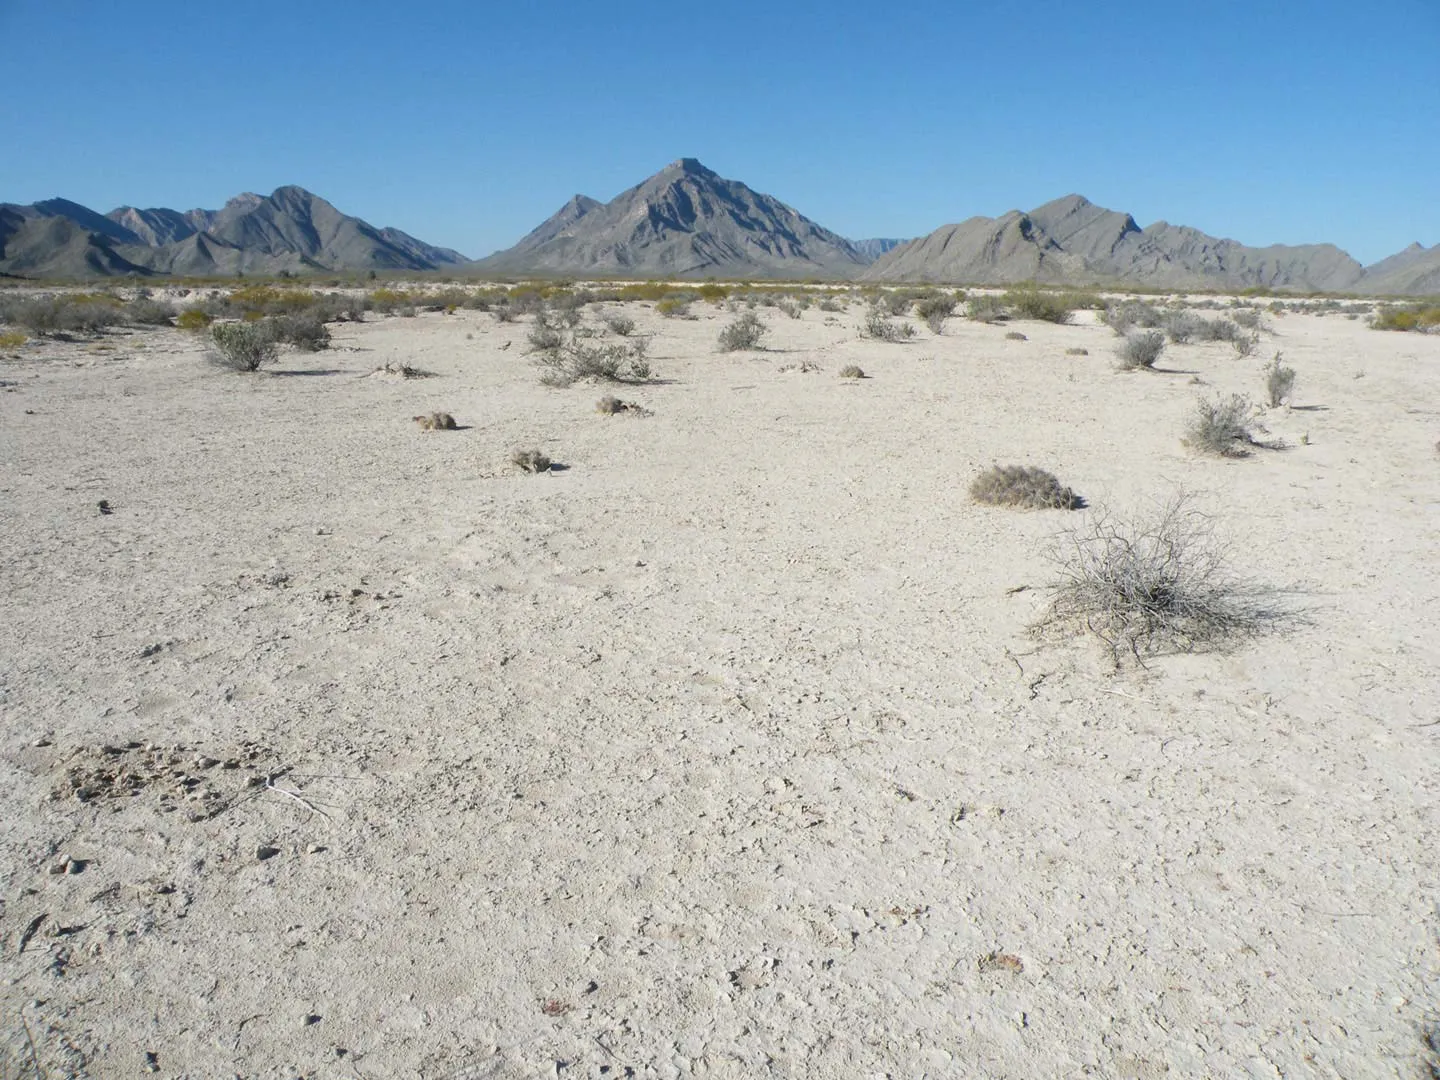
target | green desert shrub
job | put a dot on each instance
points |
(1023, 486)
(1141, 351)
(744, 332)
(935, 310)
(1279, 382)
(1154, 583)
(673, 307)
(1039, 304)
(194, 319)
(242, 346)
(1424, 318)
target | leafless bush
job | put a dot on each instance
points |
(144, 311)
(620, 325)
(1141, 351)
(1126, 315)
(544, 338)
(1023, 486)
(935, 310)
(1155, 584)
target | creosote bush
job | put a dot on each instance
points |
(194, 319)
(1221, 427)
(1423, 318)
(62, 313)
(1052, 307)
(1023, 486)
(744, 332)
(1140, 351)
(242, 346)
(935, 310)
(1154, 584)
(1279, 381)
(673, 307)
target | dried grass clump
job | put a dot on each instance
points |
(1155, 584)
(1015, 335)
(852, 371)
(744, 332)
(1221, 427)
(436, 421)
(1140, 351)
(1023, 486)
(532, 461)
(1077, 352)
(1279, 382)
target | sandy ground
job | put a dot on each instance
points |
(724, 751)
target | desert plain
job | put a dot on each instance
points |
(725, 748)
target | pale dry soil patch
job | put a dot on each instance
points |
(340, 749)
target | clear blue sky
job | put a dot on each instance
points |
(467, 123)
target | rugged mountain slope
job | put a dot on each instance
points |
(1412, 272)
(289, 230)
(1072, 239)
(685, 221)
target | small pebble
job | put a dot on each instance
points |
(265, 851)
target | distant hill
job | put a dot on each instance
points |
(1073, 240)
(290, 230)
(1412, 272)
(870, 250)
(685, 221)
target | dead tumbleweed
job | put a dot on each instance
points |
(1159, 583)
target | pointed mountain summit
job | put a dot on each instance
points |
(685, 221)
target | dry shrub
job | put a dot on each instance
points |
(620, 325)
(436, 421)
(1221, 427)
(852, 371)
(1077, 352)
(986, 309)
(1015, 335)
(1155, 584)
(881, 327)
(1023, 486)
(532, 461)
(13, 339)
(575, 361)
(1279, 381)
(1140, 351)
(744, 332)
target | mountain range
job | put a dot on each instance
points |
(290, 231)
(686, 221)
